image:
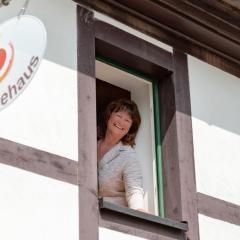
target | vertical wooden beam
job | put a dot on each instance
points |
(185, 144)
(169, 141)
(177, 146)
(87, 149)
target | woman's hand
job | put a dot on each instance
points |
(142, 210)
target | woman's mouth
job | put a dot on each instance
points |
(117, 126)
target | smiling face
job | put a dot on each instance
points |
(119, 123)
(122, 120)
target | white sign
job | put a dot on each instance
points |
(22, 45)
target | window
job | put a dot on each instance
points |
(115, 81)
(167, 71)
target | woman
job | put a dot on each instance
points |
(119, 171)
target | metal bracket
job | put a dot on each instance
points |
(23, 9)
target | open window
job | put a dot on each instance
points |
(115, 81)
(161, 91)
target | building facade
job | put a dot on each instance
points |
(179, 61)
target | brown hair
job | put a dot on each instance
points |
(131, 108)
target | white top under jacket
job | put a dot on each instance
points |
(120, 177)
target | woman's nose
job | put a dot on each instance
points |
(121, 122)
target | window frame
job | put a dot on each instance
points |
(176, 128)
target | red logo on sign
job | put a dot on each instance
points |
(3, 56)
(5, 65)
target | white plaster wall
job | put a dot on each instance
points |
(107, 234)
(36, 207)
(215, 102)
(45, 115)
(141, 93)
(213, 229)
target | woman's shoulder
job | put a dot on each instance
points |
(127, 149)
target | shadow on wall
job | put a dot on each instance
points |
(215, 96)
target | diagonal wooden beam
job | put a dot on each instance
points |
(38, 161)
(218, 209)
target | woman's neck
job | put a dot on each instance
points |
(106, 144)
(110, 139)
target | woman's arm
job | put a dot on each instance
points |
(132, 176)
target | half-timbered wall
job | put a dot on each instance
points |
(41, 131)
(216, 133)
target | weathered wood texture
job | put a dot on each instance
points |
(136, 227)
(180, 24)
(140, 216)
(185, 144)
(134, 45)
(87, 147)
(169, 140)
(37, 161)
(177, 146)
(232, 3)
(219, 209)
(226, 10)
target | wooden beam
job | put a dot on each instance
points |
(213, 47)
(133, 45)
(145, 229)
(232, 3)
(37, 161)
(187, 182)
(219, 209)
(87, 139)
(177, 146)
(226, 10)
(142, 216)
(196, 12)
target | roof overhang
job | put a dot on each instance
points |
(183, 24)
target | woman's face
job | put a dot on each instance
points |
(119, 123)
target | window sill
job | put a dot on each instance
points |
(139, 217)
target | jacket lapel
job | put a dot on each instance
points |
(111, 154)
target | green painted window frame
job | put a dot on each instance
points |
(156, 113)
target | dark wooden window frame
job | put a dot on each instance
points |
(95, 36)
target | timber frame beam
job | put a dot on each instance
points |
(38, 161)
(191, 26)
